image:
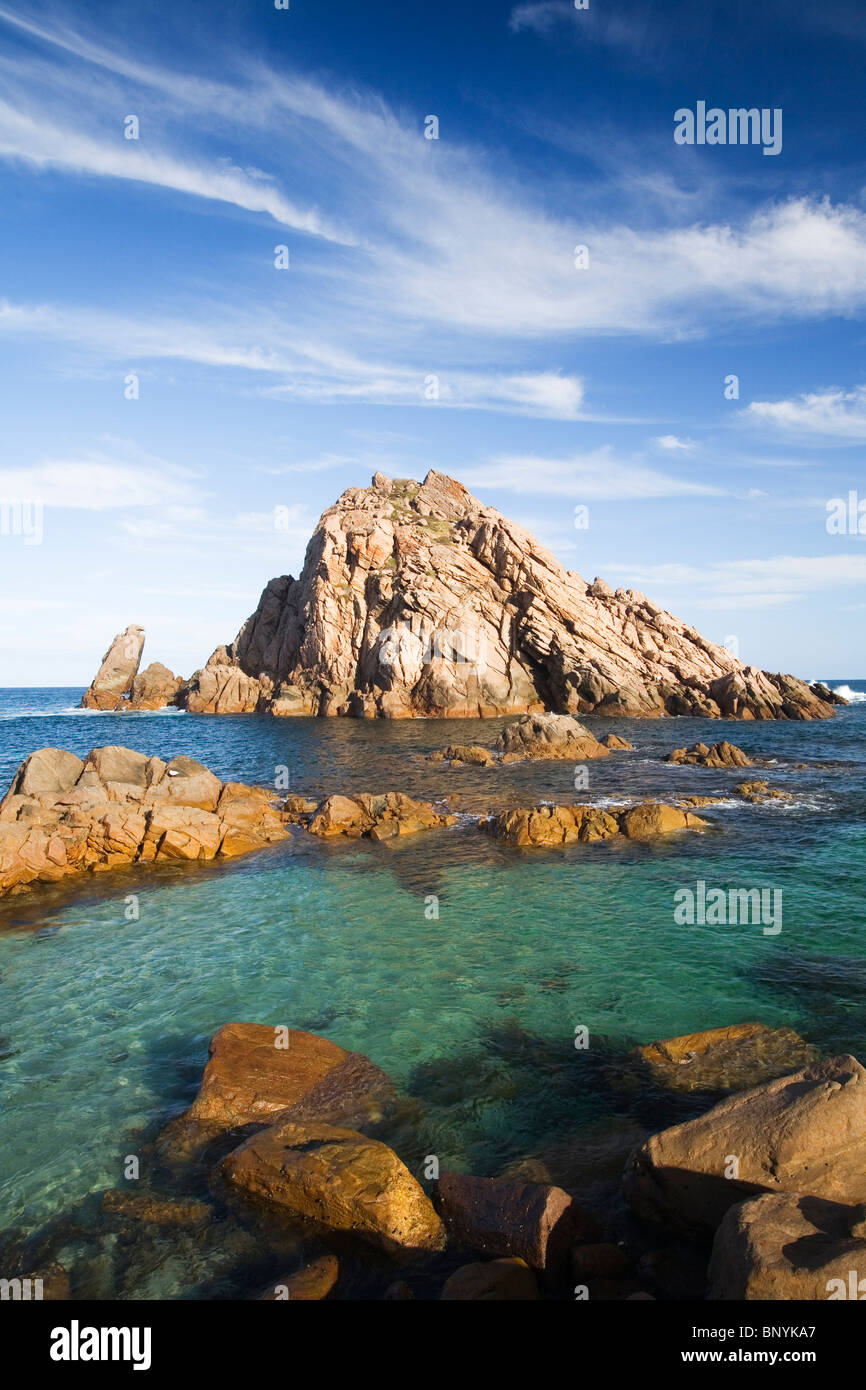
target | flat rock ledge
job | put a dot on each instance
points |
(65, 815)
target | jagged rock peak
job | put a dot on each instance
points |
(416, 599)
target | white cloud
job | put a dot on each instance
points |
(452, 240)
(44, 144)
(672, 443)
(98, 483)
(750, 583)
(597, 476)
(833, 413)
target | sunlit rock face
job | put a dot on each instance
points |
(417, 600)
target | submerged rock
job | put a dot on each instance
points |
(733, 1058)
(789, 1246)
(339, 1178)
(315, 1282)
(161, 1211)
(256, 1072)
(805, 1133)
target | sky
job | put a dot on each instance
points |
(238, 275)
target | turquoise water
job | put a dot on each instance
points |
(105, 1021)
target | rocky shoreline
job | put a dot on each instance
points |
(759, 1196)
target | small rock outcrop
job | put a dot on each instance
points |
(803, 1133)
(541, 736)
(63, 815)
(566, 825)
(114, 680)
(340, 1179)
(722, 754)
(615, 741)
(153, 688)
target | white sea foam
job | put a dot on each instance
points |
(854, 697)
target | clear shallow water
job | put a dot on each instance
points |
(106, 1022)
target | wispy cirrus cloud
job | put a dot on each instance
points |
(101, 481)
(596, 476)
(450, 241)
(305, 369)
(750, 583)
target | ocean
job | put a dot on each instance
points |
(105, 1021)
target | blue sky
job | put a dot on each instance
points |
(412, 258)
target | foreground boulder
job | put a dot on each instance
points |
(417, 599)
(64, 816)
(789, 1246)
(733, 1058)
(534, 1222)
(801, 1133)
(565, 825)
(340, 1179)
(114, 680)
(722, 754)
(256, 1072)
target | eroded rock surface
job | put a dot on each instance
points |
(416, 599)
(732, 1058)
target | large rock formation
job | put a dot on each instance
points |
(416, 599)
(63, 816)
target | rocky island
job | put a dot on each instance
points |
(417, 600)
